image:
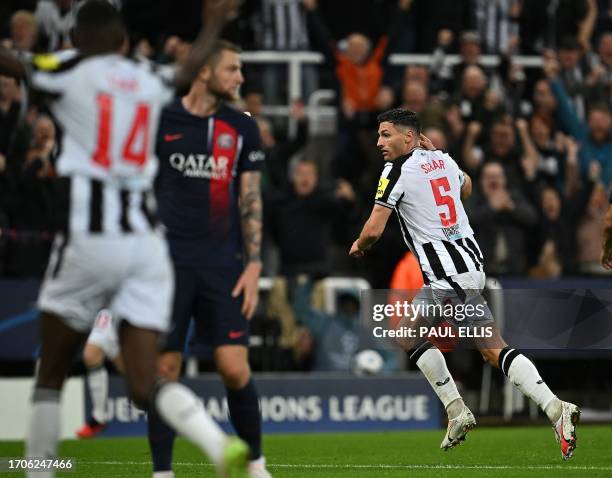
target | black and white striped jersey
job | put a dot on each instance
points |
(424, 189)
(109, 108)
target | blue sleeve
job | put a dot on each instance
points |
(566, 114)
(251, 156)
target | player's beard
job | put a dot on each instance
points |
(222, 95)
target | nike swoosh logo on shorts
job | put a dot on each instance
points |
(236, 334)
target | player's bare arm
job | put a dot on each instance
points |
(466, 188)
(251, 218)
(215, 14)
(372, 230)
(606, 253)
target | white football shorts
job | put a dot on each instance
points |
(131, 275)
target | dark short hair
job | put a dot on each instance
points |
(96, 14)
(402, 117)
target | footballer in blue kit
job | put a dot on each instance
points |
(209, 199)
(201, 162)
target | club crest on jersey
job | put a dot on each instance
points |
(225, 141)
(382, 186)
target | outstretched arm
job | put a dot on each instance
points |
(215, 14)
(372, 230)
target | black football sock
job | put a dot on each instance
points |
(245, 415)
(161, 441)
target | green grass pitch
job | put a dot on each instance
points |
(497, 452)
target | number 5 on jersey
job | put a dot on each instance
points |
(136, 145)
(449, 219)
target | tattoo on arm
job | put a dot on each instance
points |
(251, 214)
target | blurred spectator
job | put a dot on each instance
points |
(469, 51)
(24, 31)
(437, 138)
(543, 23)
(595, 137)
(451, 79)
(55, 20)
(435, 15)
(336, 338)
(414, 95)
(589, 232)
(475, 101)
(573, 72)
(174, 50)
(359, 70)
(280, 25)
(599, 82)
(500, 146)
(604, 18)
(7, 8)
(300, 220)
(31, 211)
(543, 102)
(550, 151)
(278, 309)
(253, 103)
(278, 154)
(10, 107)
(359, 67)
(4, 198)
(500, 217)
(497, 24)
(557, 231)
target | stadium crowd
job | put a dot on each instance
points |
(537, 142)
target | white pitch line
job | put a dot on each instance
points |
(381, 466)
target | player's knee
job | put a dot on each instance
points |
(235, 375)
(93, 356)
(140, 393)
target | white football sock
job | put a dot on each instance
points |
(97, 380)
(524, 374)
(553, 410)
(44, 430)
(163, 474)
(432, 364)
(183, 411)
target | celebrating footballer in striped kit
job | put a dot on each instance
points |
(425, 187)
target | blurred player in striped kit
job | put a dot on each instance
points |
(109, 250)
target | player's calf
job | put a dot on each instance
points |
(431, 362)
(59, 344)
